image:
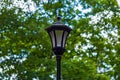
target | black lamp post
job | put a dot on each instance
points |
(58, 33)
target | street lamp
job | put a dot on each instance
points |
(58, 33)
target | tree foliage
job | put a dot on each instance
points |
(92, 49)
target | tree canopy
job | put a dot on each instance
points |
(92, 49)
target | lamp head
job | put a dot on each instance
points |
(58, 33)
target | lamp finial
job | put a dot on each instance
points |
(58, 18)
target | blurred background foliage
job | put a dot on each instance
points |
(92, 49)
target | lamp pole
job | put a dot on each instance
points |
(58, 58)
(58, 33)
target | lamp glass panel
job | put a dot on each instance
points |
(52, 38)
(59, 34)
(64, 38)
